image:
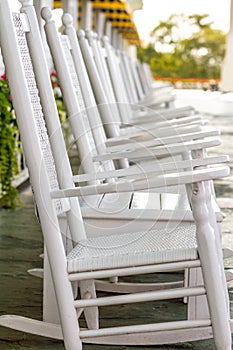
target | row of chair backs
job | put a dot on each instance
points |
(37, 102)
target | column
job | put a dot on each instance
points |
(227, 66)
(71, 6)
(38, 4)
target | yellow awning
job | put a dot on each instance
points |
(118, 12)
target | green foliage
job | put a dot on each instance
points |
(145, 54)
(185, 47)
(9, 145)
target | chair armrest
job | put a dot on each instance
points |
(173, 179)
(160, 151)
(170, 113)
(163, 123)
(164, 132)
(156, 168)
(161, 141)
(134, 131)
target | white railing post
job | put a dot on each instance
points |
(227, 66)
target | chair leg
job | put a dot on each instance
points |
(212, 268)
(87, 291)
(67, 312)
(216, 296)
(50, 310)
(51, 316)
(218, 240)
(197, 307)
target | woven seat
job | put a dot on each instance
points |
(133, 249)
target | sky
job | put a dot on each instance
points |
(157, 10)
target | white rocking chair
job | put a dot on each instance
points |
(96, 212)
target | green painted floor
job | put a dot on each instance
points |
(21, 294)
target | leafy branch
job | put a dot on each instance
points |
(9, 147)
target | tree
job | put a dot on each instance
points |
(186, 47)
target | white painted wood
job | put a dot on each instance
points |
(133, 298)
(37, 272)
(116, 202)
(150, 153)
(101, 20)
(86, 15)
(49, 297)
(29, 325)
(152, 167)
(159, 337)
(29, 136)
(71, 6)
(172, 179)
(143, 200)
(94, 222)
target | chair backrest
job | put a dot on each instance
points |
(83, 91)
(142, 77)
(66, 71)
(123, 76)
(137, 83)
(105, 78)
(33, 99)
(113, 72)
(82, 112)
(117, 72)
(101, 65)
(95, 133)
(147, 76)
(74, 82)
(30, 103)
(125, 90)
(108, 111)
(127, 77)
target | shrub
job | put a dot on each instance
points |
(9, 146)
